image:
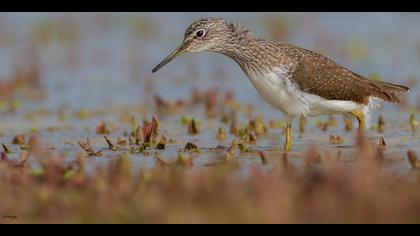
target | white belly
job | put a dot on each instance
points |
(281, 93)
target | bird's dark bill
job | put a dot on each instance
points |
(169, 58)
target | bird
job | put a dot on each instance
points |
(292, 79)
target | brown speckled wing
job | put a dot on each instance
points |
(319, 75)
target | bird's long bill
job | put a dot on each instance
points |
(169, 58)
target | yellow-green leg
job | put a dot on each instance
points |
(288, 143)
(361, 120)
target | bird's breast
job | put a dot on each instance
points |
(279, 91)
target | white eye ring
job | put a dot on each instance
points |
(200, 33)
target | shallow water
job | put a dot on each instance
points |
(102, 62)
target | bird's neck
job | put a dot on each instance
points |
(254, 56)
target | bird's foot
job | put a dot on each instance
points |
(288, 143)
(288, 146)
(360, 116)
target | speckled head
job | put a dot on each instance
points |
(207, 34)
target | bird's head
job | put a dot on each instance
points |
(206, 34)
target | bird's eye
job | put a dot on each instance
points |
(199, 33)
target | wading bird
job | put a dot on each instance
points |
(297, 81)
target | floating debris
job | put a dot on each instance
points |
(335, 139)
(162, 143)
(151, 129)
(252, 137)
(191, 147)
(221, 135)
(133, 124)
(412, 157)
(381, 124)
(88, 148)
(263, 157)
(145, 148)
(111, 146)
(348, 124)
(233, 147)
(382, 144)
(192, 127)
(121, 142)
(156, 127)
(138, 134)
(19, 139)
(101, 128)
(242, 147)
(413, 123)
(147, 132)
(130, 139)
(134, 150)
(244, 135)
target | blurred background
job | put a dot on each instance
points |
(92, 59)
(73, 61)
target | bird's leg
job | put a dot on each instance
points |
(360, 116)
(288, 143)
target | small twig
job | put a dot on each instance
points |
(88, 148)
(111, 146)
(5, 148)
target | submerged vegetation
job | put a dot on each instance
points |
(324, 190)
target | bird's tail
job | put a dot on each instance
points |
(391, 92)
(395, 90)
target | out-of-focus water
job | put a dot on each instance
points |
(101, 60)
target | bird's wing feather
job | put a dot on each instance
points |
(319, 75)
